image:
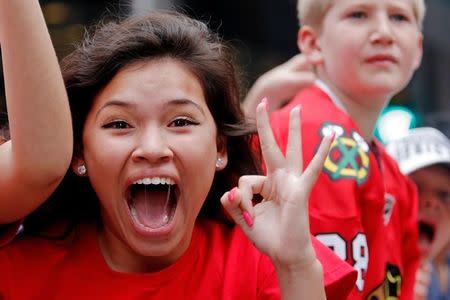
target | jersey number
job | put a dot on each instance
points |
(358, 250)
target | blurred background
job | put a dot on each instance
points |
(264, 33)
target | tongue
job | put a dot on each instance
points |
(152, 207)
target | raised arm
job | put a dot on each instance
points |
(279, 225)
(34, 161)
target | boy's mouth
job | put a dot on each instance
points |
(381, 58)
(152, 201)
(427, 233)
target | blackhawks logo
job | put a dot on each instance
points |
(390, 289)
(348, 157)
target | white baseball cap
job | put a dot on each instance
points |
(421, 147)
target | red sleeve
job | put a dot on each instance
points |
(410, 250)
(338, 276)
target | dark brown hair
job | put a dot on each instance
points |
(114, 45)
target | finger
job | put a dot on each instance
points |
(238, 202)
(249, 186)
(316, 164)
(420, 291)
(271, 153)
(423, 274)
(294, 156)
(299, 62)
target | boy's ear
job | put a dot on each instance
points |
(308, 43)
(419, 54)
(222, 153)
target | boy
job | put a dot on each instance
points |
(424, 155)
(363, 52)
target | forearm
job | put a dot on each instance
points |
(38, 109)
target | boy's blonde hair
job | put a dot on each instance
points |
(311, 12)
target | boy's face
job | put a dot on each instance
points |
(433, 185)
(368, 48)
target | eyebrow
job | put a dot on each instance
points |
(118, 103)
(183, 102)
(173, 102)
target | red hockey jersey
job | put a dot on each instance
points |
(362, 207)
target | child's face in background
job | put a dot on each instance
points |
(369, 48)
(433, 184)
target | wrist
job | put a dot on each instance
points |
(307, 267)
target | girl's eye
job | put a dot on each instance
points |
(119, 124)
(182, 122)
(358, 15)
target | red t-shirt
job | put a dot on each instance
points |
(220, 263)
(362, 207)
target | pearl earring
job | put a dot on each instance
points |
(82, 170)
(219, 162)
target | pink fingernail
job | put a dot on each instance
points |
(248, 219)
(231, 195)
(265, 103)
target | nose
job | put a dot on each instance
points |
(152, 146)
(382, 30)
(426, 200)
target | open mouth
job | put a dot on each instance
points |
(426, 233)
(152, 201)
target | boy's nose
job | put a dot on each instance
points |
(427, 200)
(152, 147)
(382, 30)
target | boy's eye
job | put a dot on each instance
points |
(357, 15)
(119, 124)
(182, 122)
(399, 17)
(444, 197)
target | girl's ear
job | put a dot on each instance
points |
(308, 43)
(419, 52)
(222, 153)
(78, 166)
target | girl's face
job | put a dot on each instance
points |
(150, 148)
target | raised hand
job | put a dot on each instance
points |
(280, 84)
(279, 225)
(423, 277)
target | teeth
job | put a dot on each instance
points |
(133, 211)
(155, 180)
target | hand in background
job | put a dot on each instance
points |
(423, 277)
(280, 84)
